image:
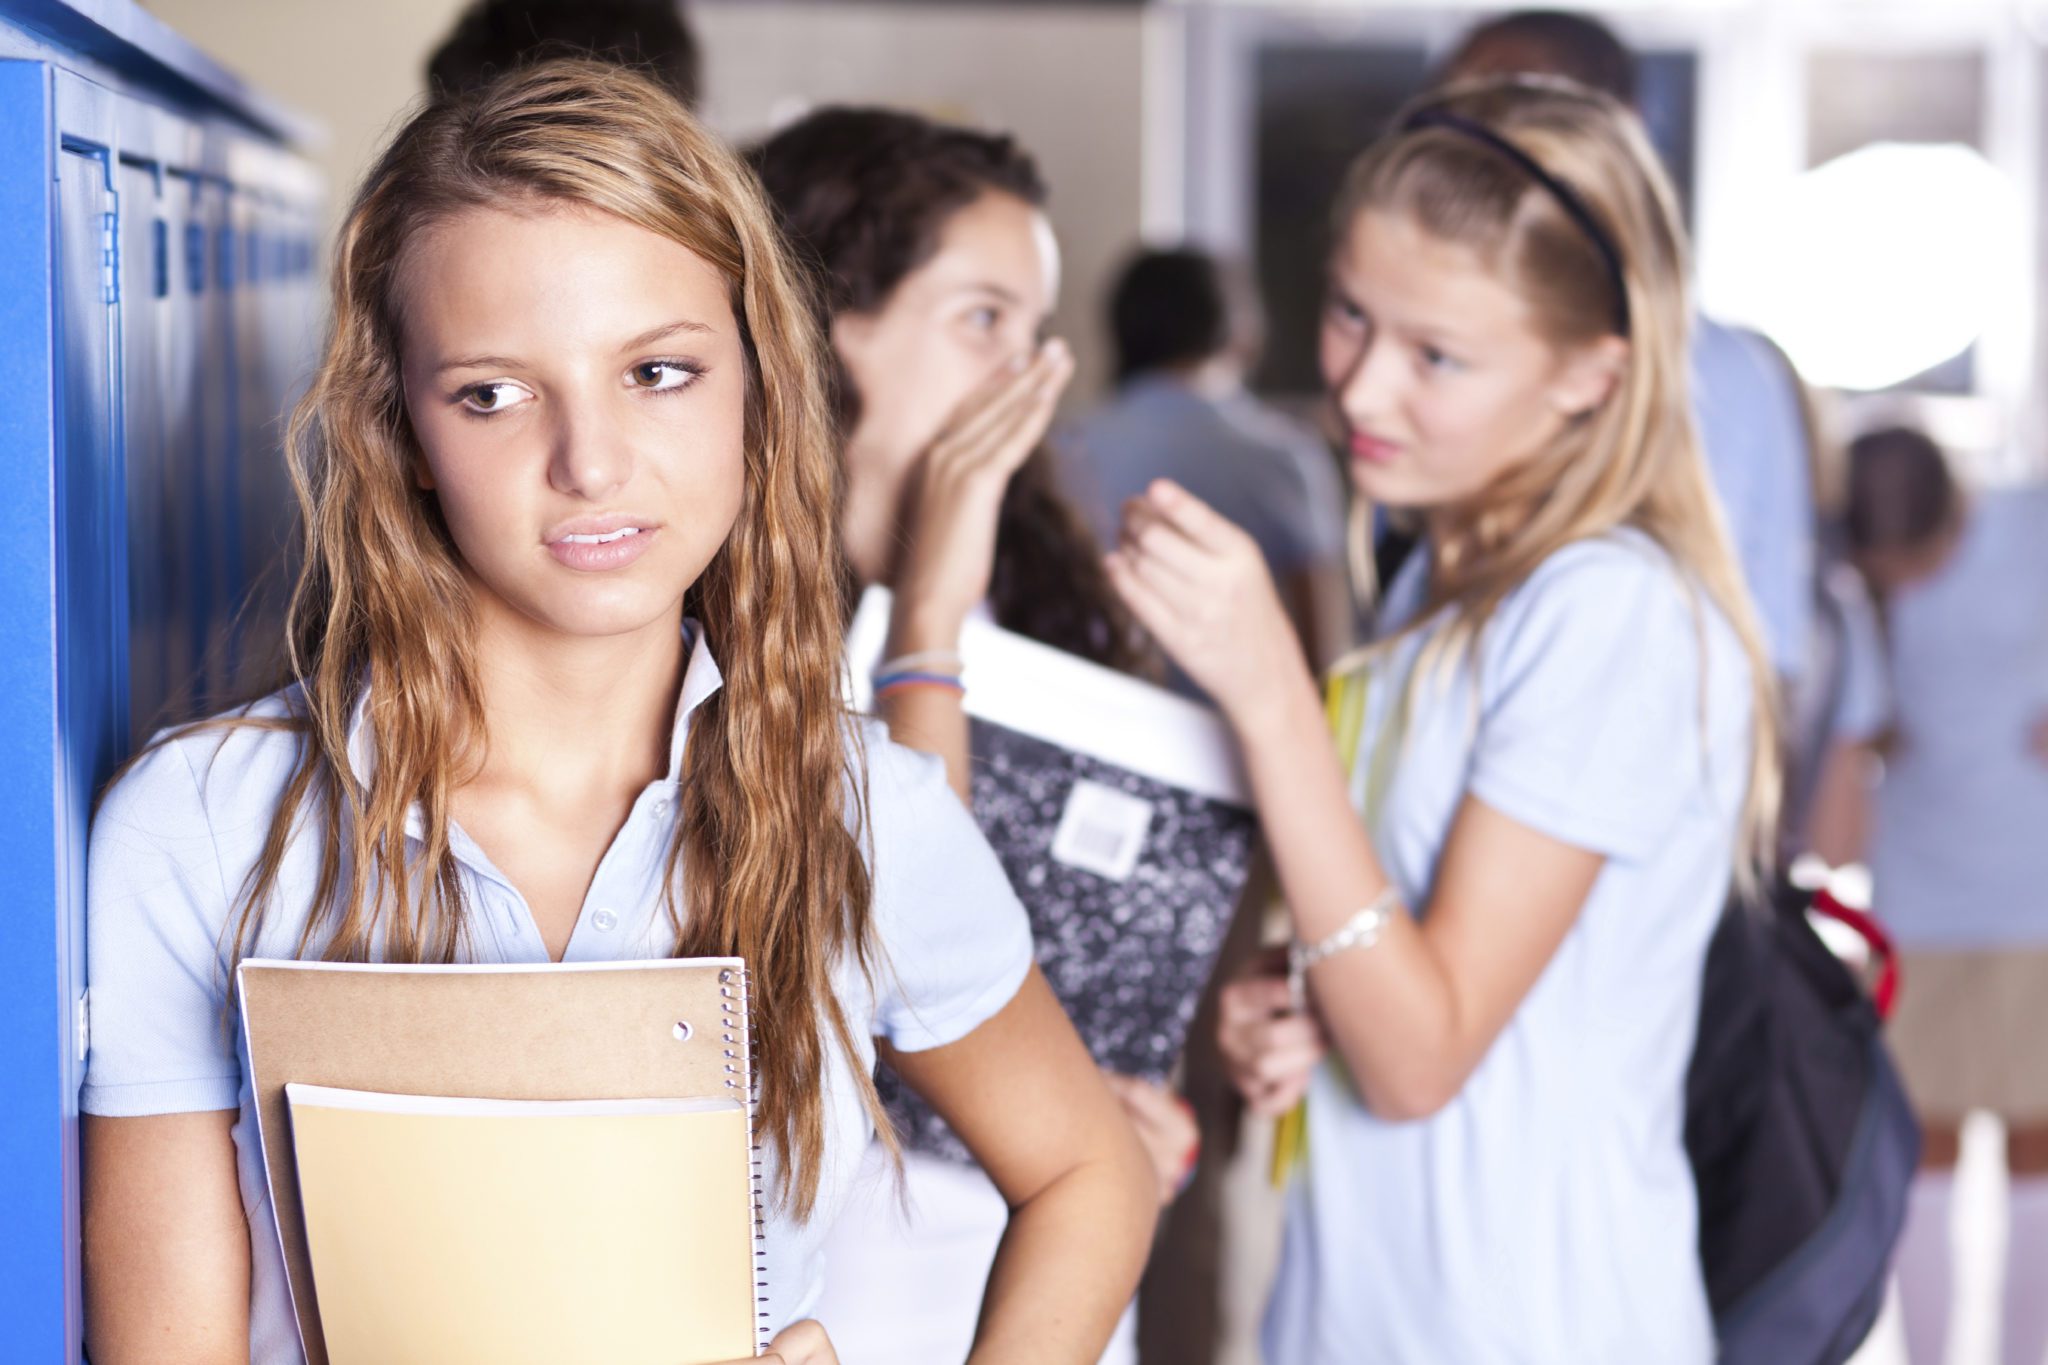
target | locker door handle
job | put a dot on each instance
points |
(224, 257)
(195, 258)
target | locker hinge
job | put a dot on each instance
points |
(110, 257)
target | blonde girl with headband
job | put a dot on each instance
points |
(564, 685)
(1559, 753)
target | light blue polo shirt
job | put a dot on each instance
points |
(1754, 439)
(1547, 1214)
(1958, 853)
(176, 837)
(1864, 706)
(1276, 480)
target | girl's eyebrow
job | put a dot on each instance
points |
(646, 338)
(478, 362)
(1431, 334)
(991, 289)
(666, 330)
(1436, 335)
(1427, 333)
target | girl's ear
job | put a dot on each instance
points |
(1588, 375)
(422, 472)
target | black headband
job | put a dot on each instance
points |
(1566, 197)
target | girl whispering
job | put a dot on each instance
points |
(1555, 756)
(565, 685)
(936, 273)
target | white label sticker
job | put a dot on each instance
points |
(1102, 830)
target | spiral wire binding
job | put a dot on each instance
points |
(743, 1074)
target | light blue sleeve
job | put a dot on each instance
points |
(161, 1038)
(1294, 486)
(1081, 478)
(1754, 440)
(1590, 728)
(955, 941)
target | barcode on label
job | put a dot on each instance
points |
(1102, 830)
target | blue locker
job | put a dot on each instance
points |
(145, 352)
(158, 312)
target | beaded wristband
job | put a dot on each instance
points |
(926, 659)
(892, 682)
(1362, 930)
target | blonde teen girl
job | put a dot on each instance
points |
(1562, 751)
(564, 685)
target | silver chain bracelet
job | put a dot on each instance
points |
(1362, 930)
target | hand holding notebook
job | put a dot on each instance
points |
(800, 1343)
(529, 1163)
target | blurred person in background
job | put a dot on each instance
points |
(1840, 705)
(1743, 400)
(1959, 852)
(1840, 715)
(1187, 332)
(492, 37)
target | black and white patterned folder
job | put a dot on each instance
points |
(1120, 812)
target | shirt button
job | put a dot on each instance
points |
(604, 921)
(661, 809)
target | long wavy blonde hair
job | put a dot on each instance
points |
(1636, 459)
(381, 609)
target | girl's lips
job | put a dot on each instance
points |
(598, 556)
(1372, 449)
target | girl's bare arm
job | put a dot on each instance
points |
(1025, 1096)
(166, 1241)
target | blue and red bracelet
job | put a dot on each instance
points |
(891, 682)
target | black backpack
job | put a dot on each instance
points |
(1800, 1135)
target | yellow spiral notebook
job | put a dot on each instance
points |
(444, 1229)
(518, 1164)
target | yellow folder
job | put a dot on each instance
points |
(445, 1230)
(663, 1032)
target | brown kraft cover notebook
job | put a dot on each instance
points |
(659, 1030)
